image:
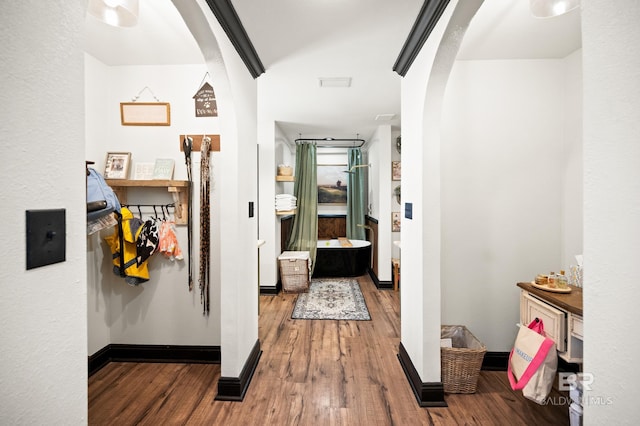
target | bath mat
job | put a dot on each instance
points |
(335, 298)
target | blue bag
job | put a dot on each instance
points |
(101, 195)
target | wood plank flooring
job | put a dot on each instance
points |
(312, 372)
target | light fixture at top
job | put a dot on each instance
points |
(551, 8)
(118, 13)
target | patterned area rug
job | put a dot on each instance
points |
(335, 298)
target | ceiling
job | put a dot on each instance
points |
(299, 42)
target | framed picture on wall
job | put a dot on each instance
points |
(395, 221)
(117, 165)
(332, 183)
(145, 113)
(396, 171)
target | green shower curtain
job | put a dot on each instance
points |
(304, 231)
(355, 196)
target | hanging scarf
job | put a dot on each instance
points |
(168, 244)
(187, 144)
(205, 214)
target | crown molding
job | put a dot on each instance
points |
(230, 22)
(427, 19)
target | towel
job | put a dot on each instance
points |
(285, 202)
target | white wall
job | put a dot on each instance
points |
(274, 149)
(236, 92)
(96, 90)
(504, 168)
(572, 158)
(158, 311)
(379, 156)
(372, 149)
(43, 379)
(420, 289)
(611, 209)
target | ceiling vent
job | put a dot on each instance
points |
(335, 81)
(385, 117)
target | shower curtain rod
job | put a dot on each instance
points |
(354, 141)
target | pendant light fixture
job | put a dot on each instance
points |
(118, 13)
(551, 8)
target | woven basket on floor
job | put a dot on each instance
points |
(294, 271)
(460, 365)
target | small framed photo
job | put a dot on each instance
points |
(395, 221)
(117, 165)
(396, 171)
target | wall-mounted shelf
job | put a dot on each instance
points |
(178, 189)
(280, 178)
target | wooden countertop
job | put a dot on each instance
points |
(571, 302)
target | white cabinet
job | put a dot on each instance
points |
(554, 320)
(561, 315)
(575, 326)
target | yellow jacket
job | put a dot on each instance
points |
(134, 274)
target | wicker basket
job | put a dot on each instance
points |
(460, 364)
(285, 170)
(294, 271)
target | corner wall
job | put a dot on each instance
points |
(158, 311)
(420, 289)
(236, 93)
(611, 209)
(511, 180)
(379, 155)
(43, 311)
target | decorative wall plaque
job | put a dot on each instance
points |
(205, 100)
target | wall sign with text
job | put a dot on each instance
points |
(205, 100)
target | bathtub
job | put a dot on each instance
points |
(333, 260)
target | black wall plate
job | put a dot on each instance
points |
(46, 236)
(408, 210)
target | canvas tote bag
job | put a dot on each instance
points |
(533, 362)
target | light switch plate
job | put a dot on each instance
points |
(46, 236)
(408, 210)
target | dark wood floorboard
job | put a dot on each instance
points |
(319, 372)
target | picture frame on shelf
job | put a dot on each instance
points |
(117, 165)
(396, 220)
(163, 168)
(396, 170)
(143, 171)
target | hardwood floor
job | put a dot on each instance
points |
(319, 372)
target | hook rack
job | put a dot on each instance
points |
(154, 206)
(177, 188)
(197, 142)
